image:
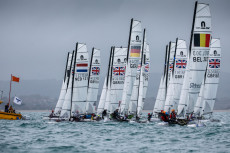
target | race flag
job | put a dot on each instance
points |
(15, 79)
(135, 51)
(202, 40)
(17, 101)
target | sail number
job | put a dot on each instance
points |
(199, 59)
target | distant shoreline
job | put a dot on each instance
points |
(146, 111)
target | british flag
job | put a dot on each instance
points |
(118, 70)
(214, 63)
(181, 64)
(95, 70)
(146, 67)
(139, 67)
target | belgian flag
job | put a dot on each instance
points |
(201, 40)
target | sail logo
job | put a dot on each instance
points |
(202, 40)
(135, 51)
(181, 64)
(194, 85)
(82, 67)
(95, 70)
(147, 67)
(118, 70)
(214, 63)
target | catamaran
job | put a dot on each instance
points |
(206, 100)
(198, 59)
(133, 58)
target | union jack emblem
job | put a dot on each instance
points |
(139, 67)
(181, 64)
(146, 67)
(118, 70)
(170, 67)
(95, 70)
(214, 63)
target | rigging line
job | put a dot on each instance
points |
(215, 42)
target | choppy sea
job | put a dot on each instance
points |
(37, 135)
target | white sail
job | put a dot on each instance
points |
(134, 52)
(162, 95)
(101, 104)
(211, 78)
(66, 107)
(93, 82)
(181, 59)
(140, 102)
(199, 102)
(158, 106)
(146, 71)
(80, 84)
(157, 102)
(177, 76)
(118, 77)
(65, 82)
(172, 47)
(199, 52)
(109, 80)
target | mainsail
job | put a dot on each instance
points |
(80, 81)
(93, 82)
(118, 77)
(102, 100)
(198, 57)
(177, 76)
(133, 57)
(66, 108)
(158, 107)
(65, 82)
(206, 100)
(108, 93)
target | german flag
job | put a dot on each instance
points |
(201, 40)
(135, 51)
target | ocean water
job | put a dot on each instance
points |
(37, 135)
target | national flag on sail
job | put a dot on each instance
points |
(135, 51)
(15, 79)
(202, 40)
(82, 67)
(139, 67)
(146, 67)
(17, 101)
(170, 67)
(181, 63)
(118, 70)
(214, 63)
(95, 70)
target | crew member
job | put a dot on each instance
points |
(173, 115)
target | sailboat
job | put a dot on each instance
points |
(104, 93)
(93, 81)
(198, 58)
(65, 84)
(10, 113)
(177, 76)
(133, 57)
(206, 100)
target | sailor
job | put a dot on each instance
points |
(149, 116)
(173, 115)
(7, 107)
(11, 109)
(115, 114)
(164, 117)
(52, 113)
(104, 113)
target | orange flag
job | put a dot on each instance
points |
(15, 79)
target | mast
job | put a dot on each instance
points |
(73, 77)
(10, 88)
(193, 25)
(131, 25)
(69, 73)
(138, 88)
(66, 66)
(90, 66)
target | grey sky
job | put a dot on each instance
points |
(35, 36)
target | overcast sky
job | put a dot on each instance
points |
(35, 36)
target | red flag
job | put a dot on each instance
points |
(15, 79)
